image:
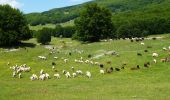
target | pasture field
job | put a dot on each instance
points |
(39, 27)
(151, 83)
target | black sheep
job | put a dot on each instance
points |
(101, 65)
(139, 54)
(117, 69)
(53, 63)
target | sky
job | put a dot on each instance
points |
(29, 6)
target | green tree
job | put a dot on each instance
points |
(13, 26)
(94, 24)
(43, 36)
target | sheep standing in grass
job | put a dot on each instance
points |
(41, 72)
(88, 74)
(79, 72)
(57, 76)
(154, 60)
(14, 74)
(155, 55)
(65, 60)
(142, 43)
(164, 48)
(42, 77)
(34, 77)
(47, 76)
(68, 75)
(101, 71)
(19, 75)
(169, 47)
(74, 75)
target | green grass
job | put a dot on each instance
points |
(145, 84)
(39, 27)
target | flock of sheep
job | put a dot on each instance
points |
(18, 70)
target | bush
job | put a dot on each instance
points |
(43, 36)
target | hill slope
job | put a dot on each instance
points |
(122, 10)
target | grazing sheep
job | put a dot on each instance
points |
(145, 50)
(164, 48)
(169, 47)
(139, 54)
(64, 71)
(53, 67)
(155, 55)
(88, 74)
(14, 74)
(33, 77)
(65, 60)
(70, 53)
(163, 60)
(110, 70)
(101, 66)
(135, 68)
(142, 43)
(47, 75)
(41, 72)
(74, 75)
(146, 64)
(68, 75)
(101, 71)
(55, 57)
(89, 56)
(19, 75)
(154, 60)
(42, 77)
(53, 63)
(57, 76)
(72, 68)
(8, 63)
(79, 72)
(117, 69)
(42, 57)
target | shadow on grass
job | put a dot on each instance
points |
(19, 45)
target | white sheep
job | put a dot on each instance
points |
(155, 55)
(142, 43)
(164, 48)
(53, 67)
(169, 47)
(88, 74)
(47, 76)
(55, 57)
(101, 71)
(74, 75)
(68, 75)
(65, 60)
(42, 77)
(64, 71)
(14, 74)
(154, 60)
(57, 76)
(41, 72)
(19, 75)
(33, 77)
(79, 72)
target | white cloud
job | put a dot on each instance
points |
(12, 3)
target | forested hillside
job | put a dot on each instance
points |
(123, 11)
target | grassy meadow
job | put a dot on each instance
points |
(151, 83)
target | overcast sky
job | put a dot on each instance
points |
(28, 6)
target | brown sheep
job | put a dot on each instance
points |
(135, 68)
